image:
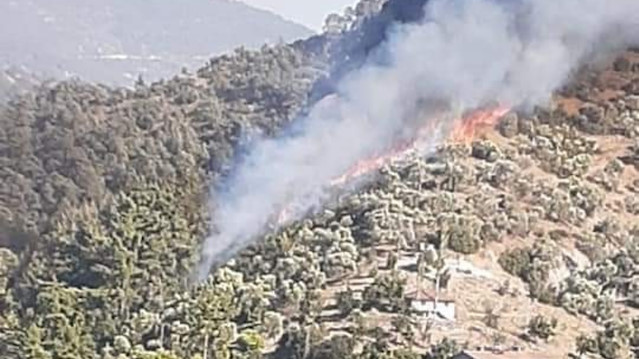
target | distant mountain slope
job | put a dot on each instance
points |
(16, 80)
(113, 41)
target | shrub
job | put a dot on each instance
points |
(542, 327)
(516, 261)
(445, 349)
(338, 347)
(532, 265)
(346, 302)
(386, 293)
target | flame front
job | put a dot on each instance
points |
(465, 130)
(368, 165)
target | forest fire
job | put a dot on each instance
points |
(370, 164)
(465, 130)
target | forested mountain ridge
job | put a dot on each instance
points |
(76, 157)
(113, 42)
(104, 204)
(76, 141)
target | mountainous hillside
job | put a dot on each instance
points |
(72, 150)
(112, 41)
(526, 230)
(16, 80)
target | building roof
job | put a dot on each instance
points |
(503, 355)
(429, 295)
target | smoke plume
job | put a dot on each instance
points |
(463, 52)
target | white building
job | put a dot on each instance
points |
(424, 302)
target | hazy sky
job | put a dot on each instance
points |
(307, 12)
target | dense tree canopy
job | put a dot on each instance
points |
(104, 204)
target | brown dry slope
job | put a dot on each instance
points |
(561, 183)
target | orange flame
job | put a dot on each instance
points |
(465, 130)
(370, 164)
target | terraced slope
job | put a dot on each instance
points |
(536, 217)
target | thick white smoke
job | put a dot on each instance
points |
(467, 52)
